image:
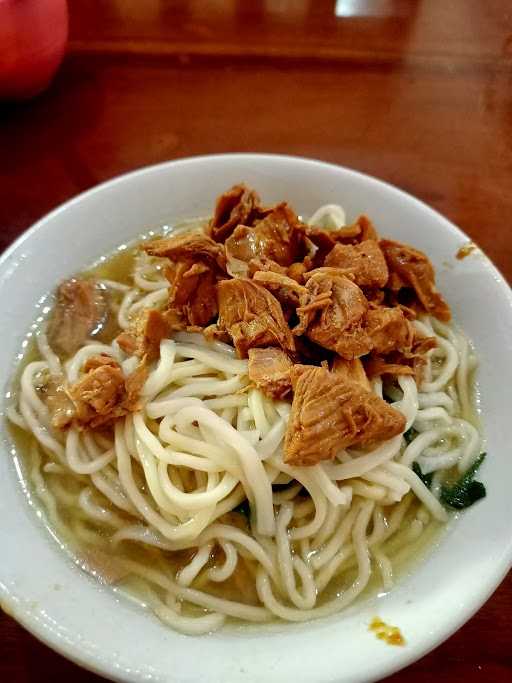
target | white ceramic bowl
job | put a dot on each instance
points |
(89, 623)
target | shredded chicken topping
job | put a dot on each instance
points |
(293, 298)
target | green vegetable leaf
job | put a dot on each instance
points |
(466, 490)
(425, 478)
(244, 509)
(410, 435)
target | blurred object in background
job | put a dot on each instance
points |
(33, 37)
(374, 8)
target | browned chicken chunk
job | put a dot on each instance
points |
(376, 366)
(285, 289)
(366, 229)
(239, 205)
(98, 395)
(412, 268)
(145, 335)
(197, 263)
(333, 315)
(364, 261)
(389, 329)
(351, 371)
(193, 293)
(269, 369)
(405, 361)
(264, 264)
(81, 310)
(325, 240)
(328, 415)
(103, 394)
(296, 272)
(188, 246)
(276, 237)
(252, 316)
(133, 385)
(59, 404)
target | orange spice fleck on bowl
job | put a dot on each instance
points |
(389, 634)
(465, 250)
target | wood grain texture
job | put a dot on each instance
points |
(416, 93)
(404, 30)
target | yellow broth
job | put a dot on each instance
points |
(89, 541)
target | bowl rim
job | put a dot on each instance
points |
(94, 662)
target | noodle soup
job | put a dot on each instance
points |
(182, 490)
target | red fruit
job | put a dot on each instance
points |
(33, 36)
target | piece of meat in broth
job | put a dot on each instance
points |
(98, 395)
(81, 310)
(269, 369)
(103, 394)
(143, 338)
(329, 414)
(252, 316)
(60, 406)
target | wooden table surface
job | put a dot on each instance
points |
(417, 93)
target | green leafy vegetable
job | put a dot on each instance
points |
(244, 509)
(466, 490)
(410, 435)
(425, 478)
